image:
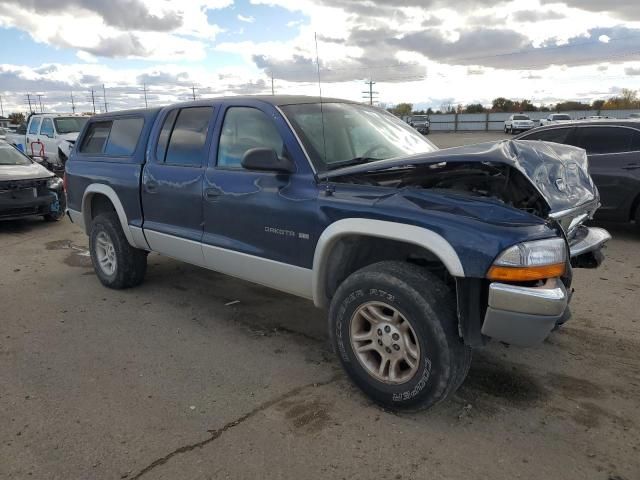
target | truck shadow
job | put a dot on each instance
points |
(23, 225)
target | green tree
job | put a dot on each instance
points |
(17, 118)
(474, 108)
(572, 105)
(502, 104)
(526, 106)
(402, 109)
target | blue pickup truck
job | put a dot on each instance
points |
(418, 254)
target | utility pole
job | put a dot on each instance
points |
(73, 105)
(272, 89)
(1, 107)
(370, 93)
(40, 102)
(29, 100)
(93, 101)
(193, 89)
(144, 89)
(104, 96)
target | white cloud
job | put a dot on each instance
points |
(247, 19)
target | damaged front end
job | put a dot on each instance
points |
(548, 180)
(525, 292)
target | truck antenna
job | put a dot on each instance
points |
(324, 140)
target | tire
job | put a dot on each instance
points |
(422, 300)
(637, 218)
(62, 206)
(129, 264)
(506, 130)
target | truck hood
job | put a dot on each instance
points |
(69, 137)
(560, 173)
(23, 172)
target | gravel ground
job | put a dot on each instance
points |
(172, 380)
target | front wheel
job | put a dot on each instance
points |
(58, 212)
(394, 328)
(506, 130)
(117, 264)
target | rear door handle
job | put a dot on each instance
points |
(212, 193)
(151, 186)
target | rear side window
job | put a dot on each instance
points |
(114, 137)
(124, 136)
(635, 143)
(34, 126)
(189, 136)
(556, 135)
(96, 137)
(600, 140)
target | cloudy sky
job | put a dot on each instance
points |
(427, 52)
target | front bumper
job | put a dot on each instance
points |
(11, 208)
(524, 316)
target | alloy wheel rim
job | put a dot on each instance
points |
(106, 253)
(385, 343)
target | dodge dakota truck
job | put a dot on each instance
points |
(419, 255)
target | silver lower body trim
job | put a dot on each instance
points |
(270, 273)
(281, 276)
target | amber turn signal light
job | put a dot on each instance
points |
(525, 274)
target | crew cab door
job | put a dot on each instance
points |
(33, 133)
(257, 223)
(172, 181)
(614, 164)
(47, 137)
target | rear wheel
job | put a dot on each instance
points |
(116, 263)
(506, 129)
(394, 327)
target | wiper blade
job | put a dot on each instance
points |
(352, 162)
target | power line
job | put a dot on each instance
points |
(40, 102)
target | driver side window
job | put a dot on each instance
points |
(245, 128)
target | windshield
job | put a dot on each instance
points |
(69, 124)
(352, 133)
(421, 118)
(10, 156)
(561, 117)
(520, 117)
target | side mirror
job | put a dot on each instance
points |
(266, 159)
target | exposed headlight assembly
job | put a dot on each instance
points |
(528, 261)
(54, 183)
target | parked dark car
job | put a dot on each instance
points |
(27, 188)
(613, 149)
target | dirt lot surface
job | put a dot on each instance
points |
(172, 380)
